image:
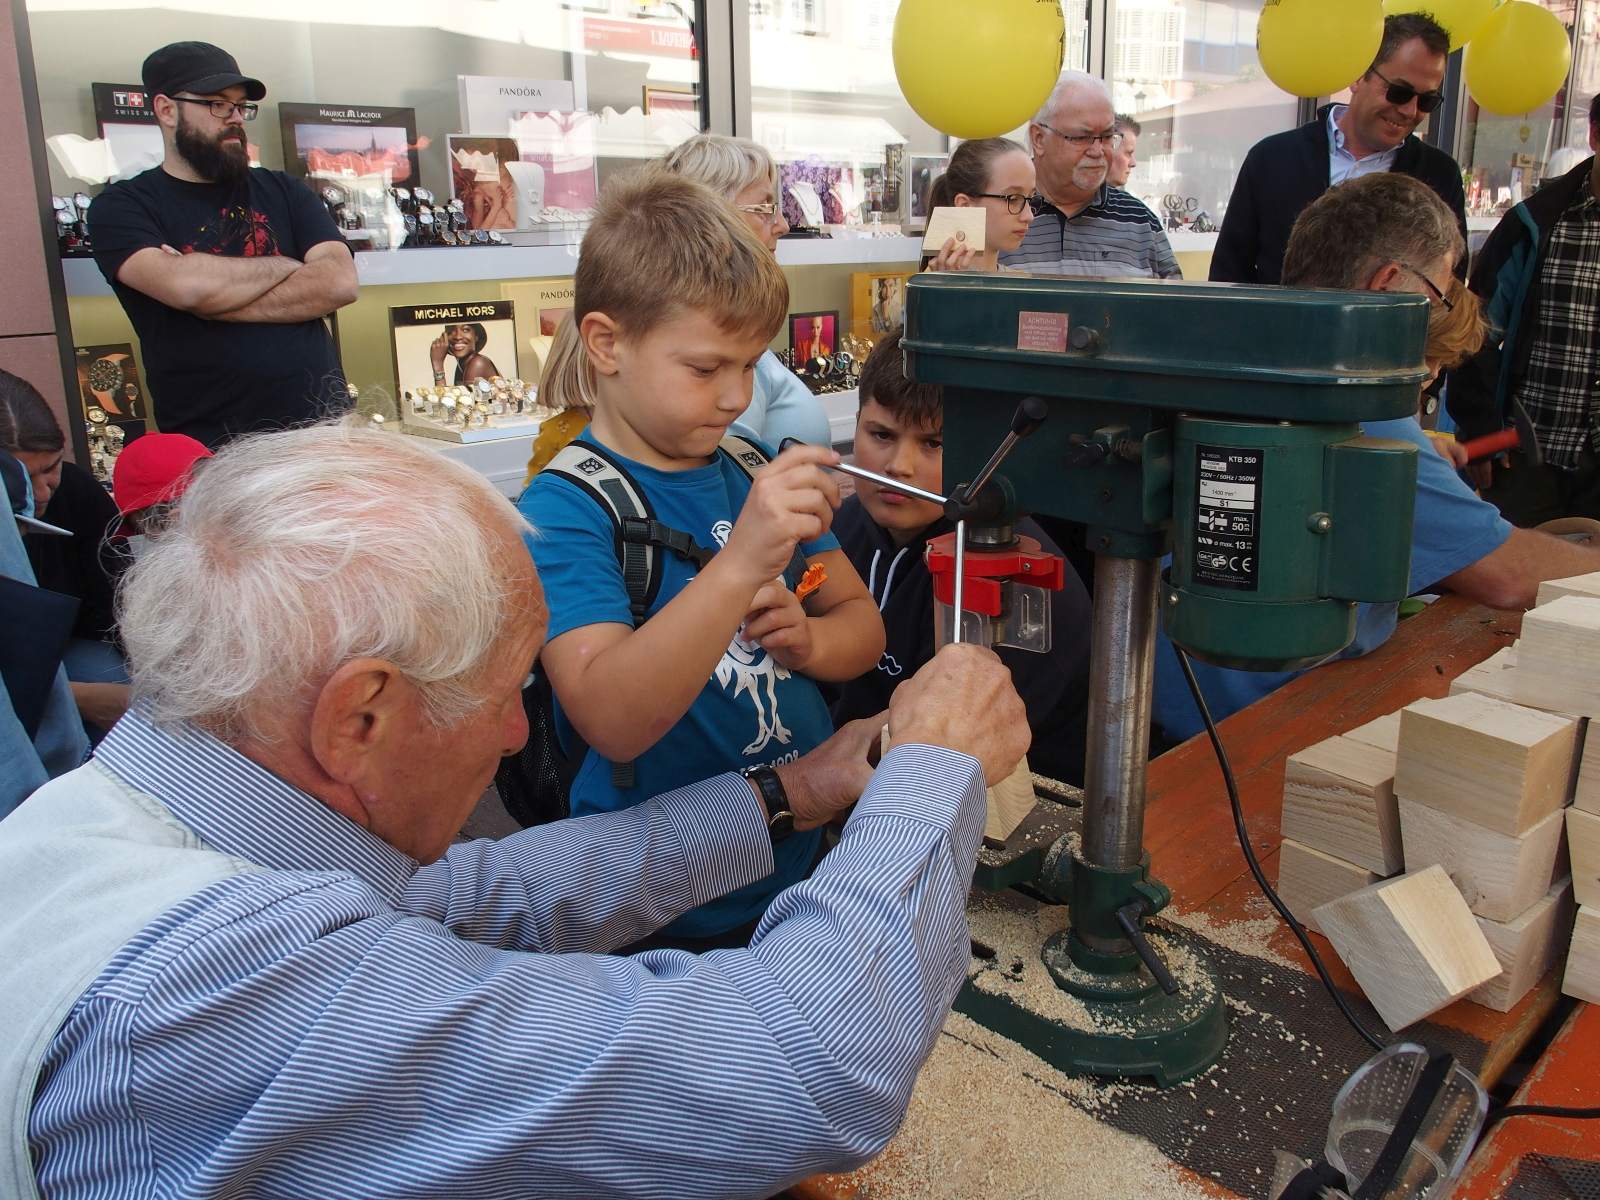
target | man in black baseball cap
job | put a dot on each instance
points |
(198, 68)
(225, 270)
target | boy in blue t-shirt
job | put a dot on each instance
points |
(675, 303)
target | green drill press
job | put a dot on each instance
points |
(1216, 424)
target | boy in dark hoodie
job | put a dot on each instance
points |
(899, 434)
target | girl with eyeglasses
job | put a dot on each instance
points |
(994, 174)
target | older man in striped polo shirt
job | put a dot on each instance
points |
(240, 955)
(1083, 224)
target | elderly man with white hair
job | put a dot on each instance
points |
(1083, 224)
(240, 955)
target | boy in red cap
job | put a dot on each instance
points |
(151, 473)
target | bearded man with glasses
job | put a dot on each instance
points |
(1374, 132)
(225, 271)
(1083, 224)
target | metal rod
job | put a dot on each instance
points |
(972, 489)
(1121, 675)
(961, 577)
(905, 489)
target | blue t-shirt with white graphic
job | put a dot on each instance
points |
(751, 711)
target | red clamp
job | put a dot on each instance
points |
(989, 570)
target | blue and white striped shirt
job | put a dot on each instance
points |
(345, 1024)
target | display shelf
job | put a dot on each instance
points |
(470, 264)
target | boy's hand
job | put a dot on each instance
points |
(778, 621)
(791, 501)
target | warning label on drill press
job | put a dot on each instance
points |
(1227, 517)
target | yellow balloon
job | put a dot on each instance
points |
(1461, 18)
(978, 70)
(1315, 47)
(1518, 60)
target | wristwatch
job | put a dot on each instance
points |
(105, 377)
(780, 817)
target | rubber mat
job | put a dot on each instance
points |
(1288, 1053)
(1540, 1177)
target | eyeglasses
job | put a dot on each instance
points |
(1431, 286)
(1402, 94)
(769, 210)
(223, 109)
(1015, 201)
(1110, 140)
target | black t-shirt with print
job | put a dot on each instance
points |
(214, 380)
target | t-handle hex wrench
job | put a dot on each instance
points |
(1029, 416)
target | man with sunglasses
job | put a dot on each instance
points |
(225, 271)
(1539, 277)
(1083, 224)
(1375, 132)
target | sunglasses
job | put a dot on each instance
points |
(1401, 94)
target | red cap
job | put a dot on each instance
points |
(154, 468)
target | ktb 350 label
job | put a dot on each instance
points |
(1227, 517)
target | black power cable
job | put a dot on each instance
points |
(1495, 1115)
(1295, 927)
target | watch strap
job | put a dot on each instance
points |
(780, 817)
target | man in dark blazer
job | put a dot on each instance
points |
(1374, 132)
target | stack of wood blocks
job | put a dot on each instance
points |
(1555, 668)
(1443, 848)
(1481, 785)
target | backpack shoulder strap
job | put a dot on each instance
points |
(595, 471)
(637, 532)
(746, 454)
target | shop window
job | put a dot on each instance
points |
(520, 110)
(1506, 158)
(1187, 71)
(825, 102)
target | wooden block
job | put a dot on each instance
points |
(1583, 838)
(1573, 585)
(1582, 979)
(1411, 943)
(1010, 800)
(1384, 733)
(1308, 878)
(1338, 797)
(1495, 764)
(1491, 677)
(1558, 656)
(1587, 794)
(1527, 947)
(1500, 875)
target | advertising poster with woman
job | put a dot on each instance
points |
(444, 345)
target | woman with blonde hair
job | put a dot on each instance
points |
(743, 173)
(567, 385)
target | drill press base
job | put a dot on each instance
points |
(1144, 1034)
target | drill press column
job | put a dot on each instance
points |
(1121, 675)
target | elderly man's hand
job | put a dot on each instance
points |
(963, 700)
(824, 783)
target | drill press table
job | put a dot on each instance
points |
(1189, 833)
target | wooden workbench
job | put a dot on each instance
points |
(1564, 1075)
(1189, 832)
